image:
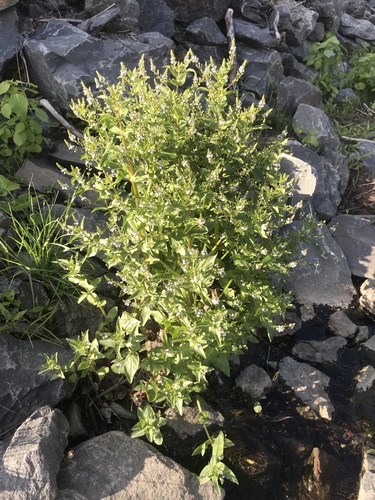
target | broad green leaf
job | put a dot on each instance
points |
(19, 104)
(6, 110)
(4, 87)
(6, 186)
(19, 138)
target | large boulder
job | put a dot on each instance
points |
(357, 28)
(10, 37)
(61, 57)
(30, 463)
(302, 19)
(329, 12)
(22, 388)
(254, 36)
(323, 276)
(114, 465)
(292, 92)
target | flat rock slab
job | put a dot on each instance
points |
(356, 237)
(308, 384)
(30, 464)
(323, 276)
(319, 351)
(115, 466)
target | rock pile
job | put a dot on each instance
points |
(64, 45)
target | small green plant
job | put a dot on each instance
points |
(195, 210)
(327, 57)
(20, 130)
(362, 75)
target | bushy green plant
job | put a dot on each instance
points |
(362, 75)
(326, 58)
(194, 211)
(20, 131)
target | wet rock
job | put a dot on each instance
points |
(315, 351)
(254, 381)
(292, 92)
(363, 398)
(357, 28)
(206, 32)
(367, 481)
(313, 127)
(308, 384)
(367, 298)
(323, 277)
(114, 465)
(367, 351)
(62, 56)
(263, 71)
(356, 237)
(341, 325)
(31, 462)
(190, 10)
(10, 36)
(320, 474)
(188, 423)
(156, 15)
(22, 389)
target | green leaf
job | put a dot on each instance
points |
(6, 186)
(19, 104)
(19, 138)
(41, 115)
(131, 365)
(6, 110)
(221, 362)
(4, 86)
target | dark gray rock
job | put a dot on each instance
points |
(329, 12)
(190, 10)
(356, 237)
(292, 92)
(155, 15)
(254, 36)
(205, 52)
(254, 381)
(22, 389)
(5, 4)
(319, 351)
(366, 156)
(42, 174)
(189, 423)
(340, 324)
(317, 33)
(308, 384)
(61, 57)
(313, 127)
(263, 71)
(302, 19)
(323, 277)
(205, 32)
(346, 96)
(363, 398)
(114, 465)
(127, 19)
(250, 9)
(339, 163)
(99, 21)
(32, 460)
(355, 8)
(331, 178)
(357, 28)
(10, 37)
(296, 69)
(367, 351)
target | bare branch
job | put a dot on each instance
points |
(48, 106)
